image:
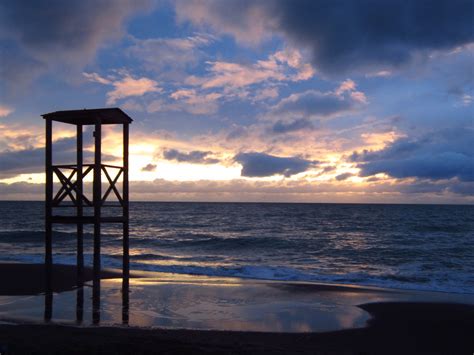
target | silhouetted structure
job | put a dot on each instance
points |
(73, 191)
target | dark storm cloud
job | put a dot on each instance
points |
(280, 126)
(346, 34)
(196, 156)
(440, 155)
(37, 34)
(261, 165)
(28, 161)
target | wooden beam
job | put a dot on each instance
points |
(48, 255)
(97, 199)
(126, 257)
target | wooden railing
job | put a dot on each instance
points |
(70, 189)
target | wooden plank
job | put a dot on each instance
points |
(84, 219)
(97, 201)
(66, 182)
(87, 206)
(112, 166)
(72, 219)
(112, 185)
(65, 187)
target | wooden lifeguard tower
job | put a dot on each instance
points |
(71, 189)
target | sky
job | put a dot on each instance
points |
(361, 101)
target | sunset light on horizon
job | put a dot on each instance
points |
(238, 102)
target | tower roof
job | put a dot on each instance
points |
(90, 116)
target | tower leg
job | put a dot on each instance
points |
(48, 255)
(126, 256)
(97, 196)
(80, 226)
(79, 304)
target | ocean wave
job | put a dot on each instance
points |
(30, 236)
(462, 283)
(282, 273)
(25, 236)
(229, 243)
(409, 247)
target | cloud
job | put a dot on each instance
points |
(294, 59)
(195, 157)
(195, 103)
(261, 165)
(314, 103)
(281, 126)
(224, 74)
(342, 35)
(28, 161)
(5, 110)
(165, 55)
(227, 81)
(379, 74)
(40, 36)
(344, 176)
(248, 23)
(149, 167)
(129, 86)
(124, 87)
(266, 93)
(467, 99)
(443, 154)
(280, 66)
(94, 77)
(283, 190)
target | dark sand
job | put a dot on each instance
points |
(29, 279)
(395, 328)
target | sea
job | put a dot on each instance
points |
(412, 247)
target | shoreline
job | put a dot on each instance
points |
(396, 321)
(15, 276)
(395, 328)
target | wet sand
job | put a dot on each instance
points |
(408, 323)
(396, 328)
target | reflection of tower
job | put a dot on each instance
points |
(86, 210)
(48, 305)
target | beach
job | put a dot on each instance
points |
(228, 315)
(236, 177)
(244, 278)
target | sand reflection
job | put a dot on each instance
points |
(200, 302)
